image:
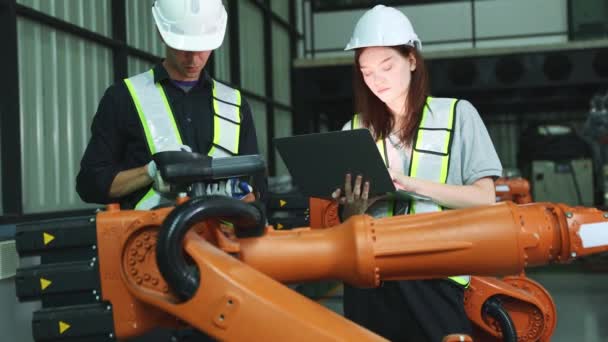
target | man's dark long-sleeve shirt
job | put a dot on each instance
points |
(118, 141)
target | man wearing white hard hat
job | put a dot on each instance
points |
(436, 148)
(174, 106)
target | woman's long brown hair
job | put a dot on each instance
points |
(375, 114)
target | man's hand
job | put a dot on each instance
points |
(159, 184)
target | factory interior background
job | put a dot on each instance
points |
(536, 70)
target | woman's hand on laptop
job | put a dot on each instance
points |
(356, 197)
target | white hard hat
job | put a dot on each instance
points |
(191, 25)
(383, 26)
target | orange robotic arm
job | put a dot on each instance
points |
(235, 291)
(513, 189)
(530, 311)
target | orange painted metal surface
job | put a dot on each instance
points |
(516, 190)
(527, 302)
(241, 295)
(323, 213)
(457, 338)
(493, 240)
(234, 303)
(126, 245)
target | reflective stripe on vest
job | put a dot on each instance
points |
(161, 130)
(158, 122)
(154, 113)
(227, 120)
(431, 153)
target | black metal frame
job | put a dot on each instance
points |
(268, 57)
(13, 219)
(12, 197)
(266, 7)
(292, 56)
(117, 43)
(119, 33)
(570, 20)
(473, 26)
(10, 153)
(235, 55)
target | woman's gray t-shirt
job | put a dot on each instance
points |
(472, 155)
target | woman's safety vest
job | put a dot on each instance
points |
(430, 153)
(161, 130)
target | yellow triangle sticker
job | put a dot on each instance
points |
(44, 283)
(63, 326)
(282, 203)
(279, 226)
(47, 238)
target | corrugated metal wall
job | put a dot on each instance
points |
(251, 44)
(282, 128)
(280, 7)
(252, 65)
(62, 79)
(505, 130)
(141, 29)
(281, 66)
(91, 15)
(259, 113)
(142, 34)
(221, 58)
(281, 73)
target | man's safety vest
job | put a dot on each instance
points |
(430, 153)
(161, 129)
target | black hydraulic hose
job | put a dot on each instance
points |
(182, 278)
(493, 307)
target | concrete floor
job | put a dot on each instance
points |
(580, 296)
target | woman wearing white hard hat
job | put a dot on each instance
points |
(437, 148)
